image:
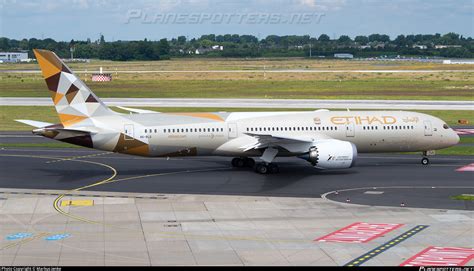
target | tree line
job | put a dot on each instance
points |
(430, 45)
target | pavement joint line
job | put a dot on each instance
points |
(43, 234)
(389, 244)
(80, 195)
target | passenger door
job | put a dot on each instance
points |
(232, 128)
(350, 131)
(128, 132)
(428, 128)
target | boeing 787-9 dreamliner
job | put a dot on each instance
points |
(326, 139)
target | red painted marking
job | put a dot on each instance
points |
(469, 167)
(359, 232)
(464, 131)
(441, 256)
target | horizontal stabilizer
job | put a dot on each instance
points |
(34, 123)
(134, 110)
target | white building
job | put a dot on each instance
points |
(422, 47)
(459, 61)
(447, 46)
(344, 56)
(13, 56)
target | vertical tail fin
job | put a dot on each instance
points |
(73, 100)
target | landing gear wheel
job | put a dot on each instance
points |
(249, 162)
(262, 168)
(425, 161)
(238, 162)
(273, 168)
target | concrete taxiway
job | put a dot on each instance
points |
(84, 207)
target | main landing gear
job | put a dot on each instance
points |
(243, 162)
(262, 168)
(265, 168)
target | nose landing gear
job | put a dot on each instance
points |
(425, 160)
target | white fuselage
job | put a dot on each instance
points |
(370, 131)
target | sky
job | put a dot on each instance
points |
(157, 19)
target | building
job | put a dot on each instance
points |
(421, 47)
(447, 46)
(459, 61)
(350, 56)
(13, 56)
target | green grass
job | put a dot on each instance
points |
(463, 197)
(457, 150)
(467, 140)
(38, 145)
(244, 88)
(8, 115)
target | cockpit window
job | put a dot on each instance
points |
(445, 126)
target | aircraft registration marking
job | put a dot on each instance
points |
(359, 232)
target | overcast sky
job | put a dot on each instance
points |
(156, 19)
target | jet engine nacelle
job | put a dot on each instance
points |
(332, 154)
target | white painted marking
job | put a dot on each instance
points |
(469, 167)
(441, 256)
(451, 217)
(373, 192)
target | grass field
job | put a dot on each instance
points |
(457, 84)
(467, 197)
(289, 89)
(249, 64)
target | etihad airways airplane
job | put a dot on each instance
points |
(326, 139)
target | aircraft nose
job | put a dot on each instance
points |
(456, 138)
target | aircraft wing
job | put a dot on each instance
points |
(291, 144)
